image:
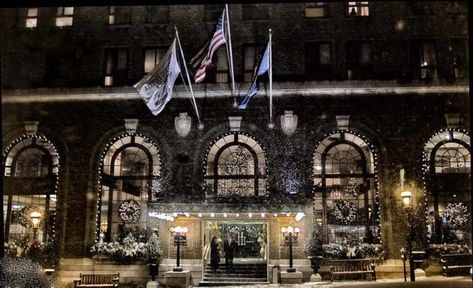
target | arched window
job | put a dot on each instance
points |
(345, 203)
(130, 171)
(447, 170)
(236, 167)
(30, 181)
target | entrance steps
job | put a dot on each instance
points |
(241, 274)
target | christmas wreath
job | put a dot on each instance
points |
(345, 211)
(129, 211)
(457, 213)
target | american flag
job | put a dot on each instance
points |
(217, 40)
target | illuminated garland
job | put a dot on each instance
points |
(345, 211)
(426, 170)
(129, 211)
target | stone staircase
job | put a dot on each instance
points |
(241, 274)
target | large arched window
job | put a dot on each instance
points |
(447, 170)
(31, 166)
(130, 171)
(345, 189)
(236, 167)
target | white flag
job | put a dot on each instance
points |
(156, 87)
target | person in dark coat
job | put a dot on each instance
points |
(214, 255)
(229, 247)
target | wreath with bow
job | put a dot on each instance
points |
(345, 211)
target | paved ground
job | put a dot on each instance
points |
(430, 282)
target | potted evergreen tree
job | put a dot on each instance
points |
(153, 255)
(314, 249)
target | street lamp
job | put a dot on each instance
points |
(406, 201)
(35, 219)
(290, 232)
(178, 233)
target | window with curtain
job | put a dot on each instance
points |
(116, 66)
(236, 167)
(130, 174)
(358, 57)
(119, 15)
(358, 8)
(152, 56)
(318, 61)
(345, 203)
(447, 162)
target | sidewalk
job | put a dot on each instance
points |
(429, 282)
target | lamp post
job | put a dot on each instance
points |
(289, 232)
(406, 201)
(35, 219)
(177, 233)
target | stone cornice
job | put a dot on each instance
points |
(306, 89)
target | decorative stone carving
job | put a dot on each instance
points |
(342, 122)
(31, 127)
(235, 123)
(183, 124)
(453, 120)
(131, 125)
(288, 123)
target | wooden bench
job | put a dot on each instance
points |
(455, 264)
(97, 280)
(352, 267)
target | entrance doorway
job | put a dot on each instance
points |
(250, 236)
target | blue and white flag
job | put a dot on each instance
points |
(262, 68)
(156, 86)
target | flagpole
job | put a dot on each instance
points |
(230, 55)
(271, 123)
(201, 126)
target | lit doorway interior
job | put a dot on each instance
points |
(251, 238)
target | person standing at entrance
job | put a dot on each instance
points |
(229, 248)
(214, 255)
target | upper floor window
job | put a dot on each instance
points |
(31, 18)
(419, 7)
(318, 60)
(317, 9)
(119, 15)
(213, 12)
(129, 175)
(423, 59)
(359, 8)
(252, 54)
(222, 66)
(458, 58)
(457, 7)
(358, 59)
(64, 16)
(157, 14)
(152, 58)
(236, 167)
(116, 66)
(255, 12)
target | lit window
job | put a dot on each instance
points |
(119, 15)
(236, 167)
(318, 9)
(32, 162)
(116, 66)
(345, 189)
(132, 167)
(222, 66)
(358, 8)
(32, 18)
(64, 16)
(424, 59)
(152, 58)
